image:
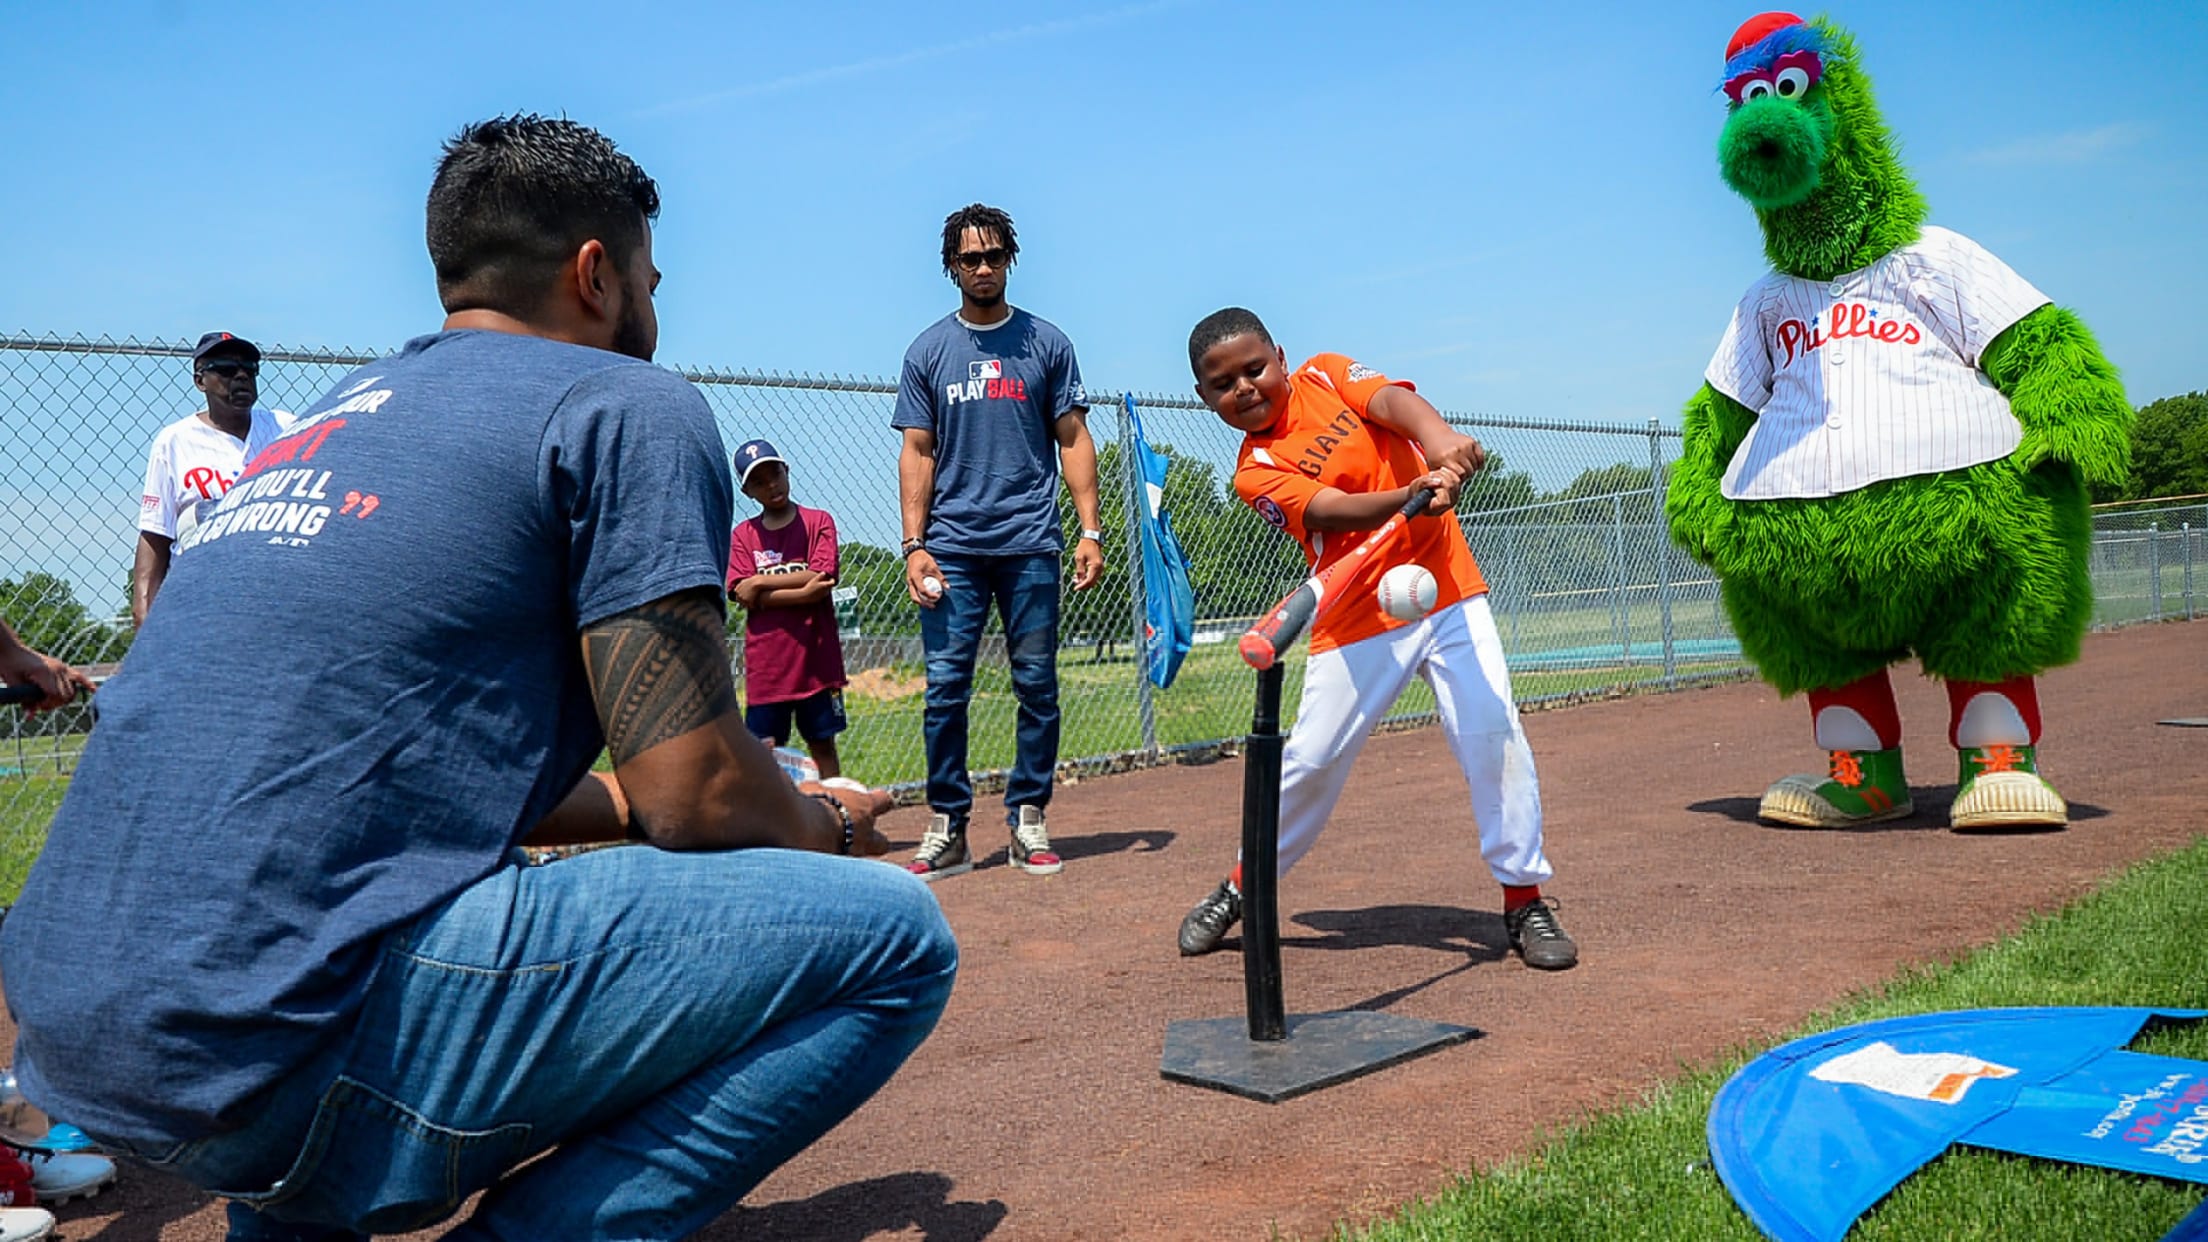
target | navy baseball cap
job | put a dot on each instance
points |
(752, 455)
(225, 342)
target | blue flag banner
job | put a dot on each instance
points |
(1169, 605)
(1809, 1135)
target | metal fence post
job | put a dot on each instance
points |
(1618, 606)
(2154, 570)
(1131, 468)
(2188, 529)
(1662, 540)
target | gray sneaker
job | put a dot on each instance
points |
(1539, 940)
(942, 850)
(1207, 924)
(1031, 850)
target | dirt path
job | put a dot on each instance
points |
(1036, 1111)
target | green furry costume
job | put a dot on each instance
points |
(1981, 571)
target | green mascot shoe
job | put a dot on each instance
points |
(2000, 787)
(1863, 787)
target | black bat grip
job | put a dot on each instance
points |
(25, 693)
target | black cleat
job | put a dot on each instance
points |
(1539, 940)
(1207, 924)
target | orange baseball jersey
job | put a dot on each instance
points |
(1323, 441)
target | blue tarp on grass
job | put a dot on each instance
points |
(1811, 1134)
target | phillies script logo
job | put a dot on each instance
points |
(1845, 319)
(210, 484)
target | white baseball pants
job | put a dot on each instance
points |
(1348, 690)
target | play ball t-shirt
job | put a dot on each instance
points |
(789, 653)
(1323, 440)
(991, 395)
(385, 608)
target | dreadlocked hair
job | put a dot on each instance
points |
(985, 218)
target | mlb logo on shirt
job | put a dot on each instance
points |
(985, 369)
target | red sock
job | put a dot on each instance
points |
(1518, 896)
(2022, 694)
(1870, 697)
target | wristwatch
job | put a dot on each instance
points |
(850, 829)
(1096, 536)
(912, 545)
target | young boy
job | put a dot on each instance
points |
(781, 568)
(1330, 451)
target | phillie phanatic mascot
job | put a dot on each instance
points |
(1890, 451)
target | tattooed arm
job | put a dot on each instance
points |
(689, 773)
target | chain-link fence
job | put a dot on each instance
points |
(1590, 595)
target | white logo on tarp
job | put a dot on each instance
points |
(1941, 1077)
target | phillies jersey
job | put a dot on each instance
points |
(1323, 440)
(193, 463)
(1872, 375)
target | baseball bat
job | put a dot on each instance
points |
(25, 693)
(1279, 629)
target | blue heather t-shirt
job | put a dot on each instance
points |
(358, 692)
(991, 396)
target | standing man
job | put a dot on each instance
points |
(358, 1004)
(991, 407)
(196, 458)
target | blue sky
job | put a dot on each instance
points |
(1517, 206)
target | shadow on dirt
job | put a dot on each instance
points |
(904, 1204)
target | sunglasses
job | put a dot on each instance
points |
(996, 257)
(231, 368)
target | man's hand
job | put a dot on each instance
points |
(1445, 480)
(1449, 447)
(921, 569)
(746, 592)
(864, 806)
(1088, 564)
(57, 681)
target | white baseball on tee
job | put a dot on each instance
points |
(193, 463)
(1872, 375)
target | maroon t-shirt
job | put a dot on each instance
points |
(789, 653)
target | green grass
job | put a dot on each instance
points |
(1644, 1173)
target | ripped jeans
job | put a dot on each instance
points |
(1024, 592)
(672, 1026)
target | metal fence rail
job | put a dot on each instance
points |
(1590, 594)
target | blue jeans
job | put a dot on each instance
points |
(674, 1026)
(1024, 591)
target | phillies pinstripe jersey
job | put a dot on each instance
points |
(1872, 375)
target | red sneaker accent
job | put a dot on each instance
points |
(1870, 697)
(15, 1181)
(2021, 692)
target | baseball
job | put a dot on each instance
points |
(932, 585)
(1407, 592)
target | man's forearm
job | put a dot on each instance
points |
(149, 568)
(693, 777)
(915, 489)
(1077, 459)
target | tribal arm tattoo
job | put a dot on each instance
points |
(659, 671)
